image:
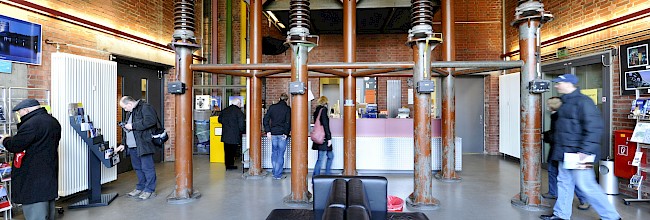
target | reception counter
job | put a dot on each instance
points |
(382, 145)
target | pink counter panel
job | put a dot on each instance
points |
(383, 127)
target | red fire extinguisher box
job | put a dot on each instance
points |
(624, 151)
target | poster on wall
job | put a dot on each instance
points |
(637, 80)
(20, 41)
(634, 68)
(202, 102)
(637, 56)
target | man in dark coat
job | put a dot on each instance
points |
(277, 124)
(34, 176)
(233, 126)
(141, 121)
(578, 130)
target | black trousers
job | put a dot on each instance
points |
(230, 152)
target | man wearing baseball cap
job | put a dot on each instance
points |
(35, 169)
(578, 129)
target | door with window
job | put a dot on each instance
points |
(594, 80)
(142, 84)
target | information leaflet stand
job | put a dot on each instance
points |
(98, 153)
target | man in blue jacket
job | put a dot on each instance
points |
(277, 124)
(578, 130)
(35, 174)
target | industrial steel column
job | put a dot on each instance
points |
(255, 169)
(300, 46)
(184, 44)
(529, 17)
(349, 89)
(448, 171)
(421, 39)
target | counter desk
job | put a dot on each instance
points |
(382, 145)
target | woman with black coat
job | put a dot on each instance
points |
(326, 147)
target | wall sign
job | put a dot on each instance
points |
(5, 66)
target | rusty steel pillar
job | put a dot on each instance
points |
(529, 17)
(448, 171)
(349, 89)
(255, 171)
(298, 37)
(184, 44)
(422, 39)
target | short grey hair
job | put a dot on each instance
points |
(127, 99)
(236, 102)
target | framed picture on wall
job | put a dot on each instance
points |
(637, 56)
(637, 79)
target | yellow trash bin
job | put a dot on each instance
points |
(216, 146)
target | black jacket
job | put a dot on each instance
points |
(325, 121)
(37, 179)
(278, 119)
(548, 136)
(233, 124)
(144, 123)
(578, 128)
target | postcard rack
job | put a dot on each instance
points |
(99, 153)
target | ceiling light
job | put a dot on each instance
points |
(281, 25)
(275, 19)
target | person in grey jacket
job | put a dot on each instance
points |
(141, 123)
(578, 129)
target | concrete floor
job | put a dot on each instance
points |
(488, 183)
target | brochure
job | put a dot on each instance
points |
(572, 161)
(637, 159)
(641, 133)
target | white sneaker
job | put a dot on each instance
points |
(134, 193)
(146, 195)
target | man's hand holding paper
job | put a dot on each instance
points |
(573, 161)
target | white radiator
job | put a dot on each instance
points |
(92, 82)
(509, 114)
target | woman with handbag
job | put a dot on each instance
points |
(322, 137)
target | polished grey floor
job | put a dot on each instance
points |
(488, 183)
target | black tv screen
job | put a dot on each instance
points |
(20, 41)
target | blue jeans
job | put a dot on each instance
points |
(552, 182)
(319, 162)
(279, 143)
(585, 180)
(145, 170)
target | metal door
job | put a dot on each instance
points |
(470, 98)
(141, 84)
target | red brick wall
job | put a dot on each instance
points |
(152, 20)
(573, 15)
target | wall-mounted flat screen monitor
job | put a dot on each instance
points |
(20, 41)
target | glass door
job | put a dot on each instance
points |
(209, 100)
(593, 74)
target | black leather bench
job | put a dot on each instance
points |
(347, 197)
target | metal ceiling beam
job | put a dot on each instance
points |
(388, 20)
(283, 5)
(359, 65)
